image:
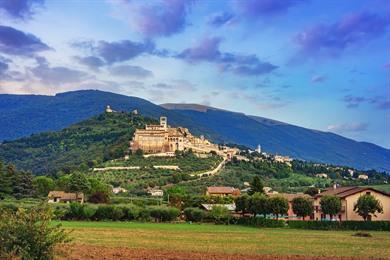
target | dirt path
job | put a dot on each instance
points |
(86, 252)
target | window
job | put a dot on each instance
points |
(368, 193)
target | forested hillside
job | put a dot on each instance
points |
(79, 146)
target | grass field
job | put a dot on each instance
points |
(229, 239)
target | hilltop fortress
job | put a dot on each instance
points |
(162, 138)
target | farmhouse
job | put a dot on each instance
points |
(349, 197)
(222, 191)
(65, 197)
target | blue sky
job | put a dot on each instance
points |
(319, 64)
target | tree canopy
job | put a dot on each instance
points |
(367, 206)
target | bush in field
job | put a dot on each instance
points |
(194, 214)
(144, 214)
(162, 214)
(79, 211)
(108, 212)
(103, 212)
(28, 234)
(131, 212)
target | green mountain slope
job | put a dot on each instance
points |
(22, 115)
(82, 145)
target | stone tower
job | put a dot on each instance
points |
(164, 122)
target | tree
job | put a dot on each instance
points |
(43, 185)
(99, 197)
(62, 182)
(368, 205)
(29, 234)
(278, 206)
(312, 191)
(330, 205)
(22, 183)
(176, 195)
(243, 204)
(220, 214)
(139, 153)
(302, 207)
(5, 182)
(259, 204)
(79, 183)
(256, 186)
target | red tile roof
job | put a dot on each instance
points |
(343, 192)
(290, 196)
(220, 190)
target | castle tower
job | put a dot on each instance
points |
(164, 122)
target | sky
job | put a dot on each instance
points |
(323, 65)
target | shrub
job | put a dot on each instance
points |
(262, 222)
(117, 213)
(342, 225)
(80, 211)
(162, 214)
(362, 234)
(104, 212)
(131, 212)
(194, 214)
(28, 234)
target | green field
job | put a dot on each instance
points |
(209, 238)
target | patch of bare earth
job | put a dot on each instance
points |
(85, 252)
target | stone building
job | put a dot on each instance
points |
(163, 139)
(160, 138)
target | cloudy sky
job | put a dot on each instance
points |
(319, 64)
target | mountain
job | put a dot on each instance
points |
(22, 115)
(281, 138)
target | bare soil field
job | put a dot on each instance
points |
(87, 252)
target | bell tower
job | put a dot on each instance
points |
(164, 122)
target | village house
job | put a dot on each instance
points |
(322, 175)
(117, 190)
(290, 197)
(155, 192)
(222, 191)
(363, 177)
(65, 197)
(349, 197)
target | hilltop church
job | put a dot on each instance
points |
(162, 139)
